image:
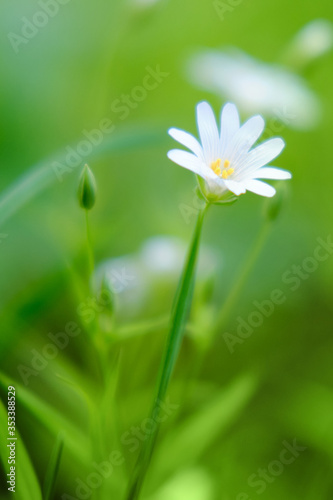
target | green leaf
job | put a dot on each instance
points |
(308, 414)
(194, 483)
(26, 487)
(140, 328)
(198, 432)
(53, 421)
(53, 468)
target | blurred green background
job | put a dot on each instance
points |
(241, 407)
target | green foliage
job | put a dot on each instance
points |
(53, 468)
(79, 80)
(51, 419)
(27, 487)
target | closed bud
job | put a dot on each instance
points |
(87, 189)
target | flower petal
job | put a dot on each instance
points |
(191, 162)
(272, 173)
(251, 130)
(244, 139)
(208, 132)
(235, 187)
(187, 140)
(260, 188)
(261, 155)
(229, 125)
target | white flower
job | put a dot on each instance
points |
(256, 87)
(225, 160)
(144, 3)
(126, 278)
(314, 40)
(136, 278)
(163, 256)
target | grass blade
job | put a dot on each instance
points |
(52, 420)
(195, 435)
(53, 468)
(27, 487)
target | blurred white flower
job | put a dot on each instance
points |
(134, 278)
(311, 42)
(126, 278)
(225, 160)
(142, 4)
(163, 256)
(255, 86)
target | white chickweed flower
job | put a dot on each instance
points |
(256, 87)
(313, 41)
(225, 160)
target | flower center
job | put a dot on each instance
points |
(216, 167)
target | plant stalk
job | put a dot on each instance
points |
(239, 283)
(179, 317)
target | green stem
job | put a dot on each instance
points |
(99, 344)
(227, 308)
(97, 335)
(89, 246)
(243, 276)
(179, 316)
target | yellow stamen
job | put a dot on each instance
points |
(226, 173)
(216, 166)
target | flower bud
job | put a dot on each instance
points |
(87, 188)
